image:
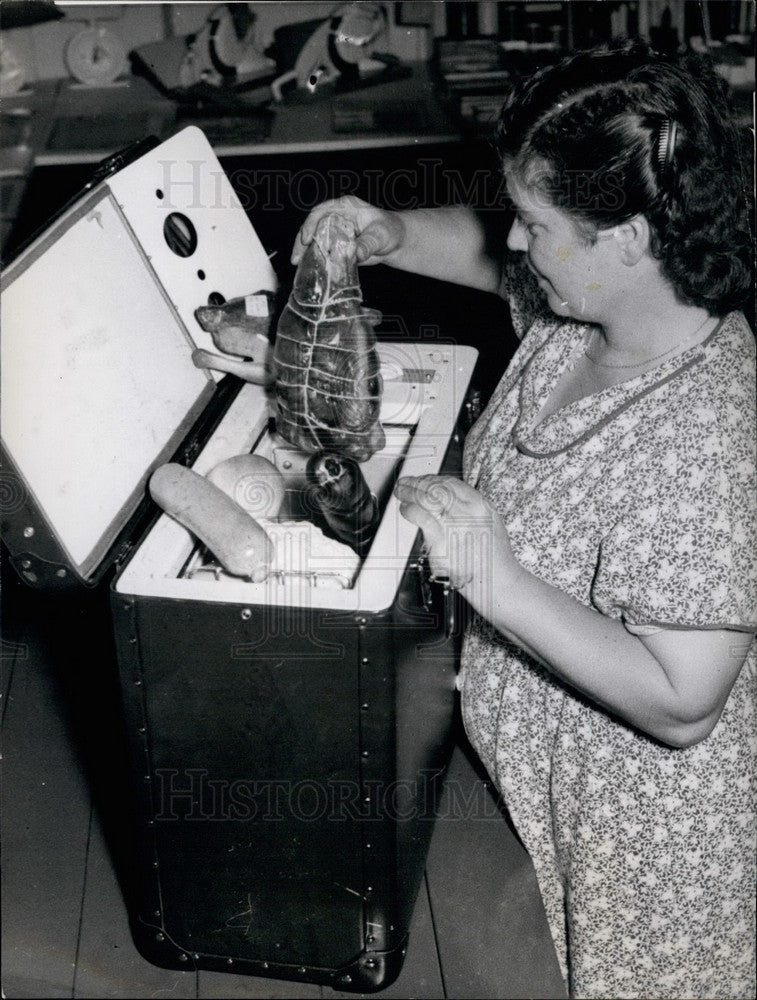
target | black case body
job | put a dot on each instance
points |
(287, 764)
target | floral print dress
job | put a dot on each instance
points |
(638, 501)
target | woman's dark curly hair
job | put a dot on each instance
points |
(590, 133)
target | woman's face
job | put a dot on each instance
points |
(578, 278)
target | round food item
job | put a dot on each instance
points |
(235, 538)
(251, 481)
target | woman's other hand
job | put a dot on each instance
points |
(463, 534)
(379, 232)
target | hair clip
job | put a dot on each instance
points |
(666, 143)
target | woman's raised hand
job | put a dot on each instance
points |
(378, 232)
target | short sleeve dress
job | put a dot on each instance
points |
(638, 501)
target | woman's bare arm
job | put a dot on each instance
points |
(673, 684)
(445, 243)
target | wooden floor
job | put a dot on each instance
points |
(478, 929)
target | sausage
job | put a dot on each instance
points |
(235, 538)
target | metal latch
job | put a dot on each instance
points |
(473, 408)
(449, 599)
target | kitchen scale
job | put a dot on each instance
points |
(96, 57)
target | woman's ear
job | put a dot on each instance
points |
(633, 238)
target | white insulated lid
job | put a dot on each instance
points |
(98, 383)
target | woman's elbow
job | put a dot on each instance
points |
(681, 734)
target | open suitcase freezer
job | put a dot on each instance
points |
(288, 736)
(287, 739)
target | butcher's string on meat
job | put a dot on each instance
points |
(329, 299)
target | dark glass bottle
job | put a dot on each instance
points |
(340, 495)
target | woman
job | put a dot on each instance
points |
(604, 532)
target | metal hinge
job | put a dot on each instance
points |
(190, 452)
(123, 552)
